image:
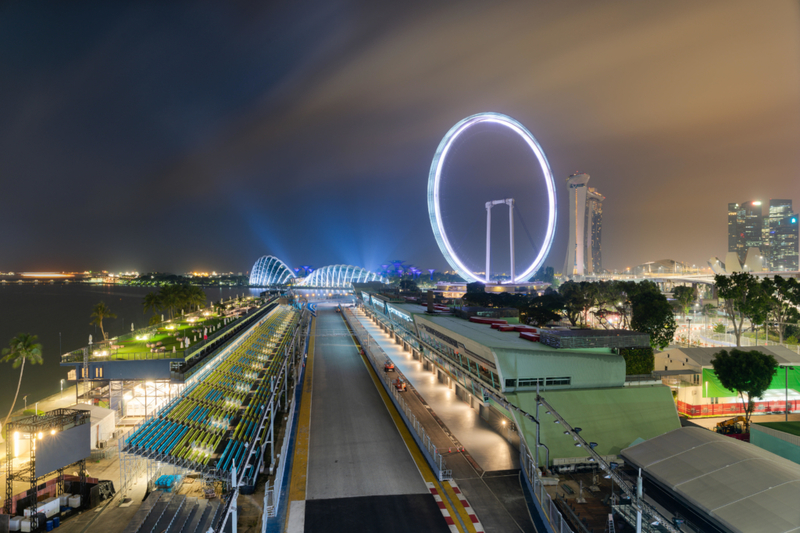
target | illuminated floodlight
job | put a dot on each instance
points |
(434, 181)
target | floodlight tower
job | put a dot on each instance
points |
(510, 203)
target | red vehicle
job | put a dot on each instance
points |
(400, 385)
(388, 366)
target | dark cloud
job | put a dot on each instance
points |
(202, 136)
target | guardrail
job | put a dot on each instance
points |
(556, 521)
(376, 356)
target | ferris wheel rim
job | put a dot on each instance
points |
(434, 181)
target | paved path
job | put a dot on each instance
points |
(490, 450)
(496, 495)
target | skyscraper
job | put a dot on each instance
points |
(784, 249)
(753, 222)
(779, 209)
(594, 230)
(745, 224)
(575, 262)
(735, 234)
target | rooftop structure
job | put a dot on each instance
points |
(585, 384)
(594, 338)
(740, 487)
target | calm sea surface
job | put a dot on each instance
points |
(60, 316)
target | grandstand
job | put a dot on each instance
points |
(223, 417)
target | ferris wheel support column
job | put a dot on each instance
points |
(488, 239)
(510, 202)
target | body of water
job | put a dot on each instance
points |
(60, 316)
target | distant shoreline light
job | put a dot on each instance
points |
(46, 275)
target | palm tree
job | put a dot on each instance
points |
(100, 312)
(151, 302)
(22, 348)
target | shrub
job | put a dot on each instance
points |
(638, 360)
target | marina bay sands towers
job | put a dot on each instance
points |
(584, 252)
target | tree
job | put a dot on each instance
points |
(684, 296)
(545, 274)
(783, 297)
(151, 303)
(100, 312)
(653, 315)
(575, 299)
(745, 372)
(737, 291)
(23, 347)
(408, 285)
(709, 311)
(476, 287)
(544, 309)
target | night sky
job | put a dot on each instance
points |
(173, 137)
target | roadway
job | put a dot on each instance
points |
(358, 473)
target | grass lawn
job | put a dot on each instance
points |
(792, 428)
(167, 334)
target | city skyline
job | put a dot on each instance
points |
(763, 232)
(241, 121)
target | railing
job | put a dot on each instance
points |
(376, 356)
(730, 340)
(196, 366)
(272, 495)
(558, 523)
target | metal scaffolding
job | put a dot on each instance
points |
(32, 427)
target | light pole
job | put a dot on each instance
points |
(689, 332)
(25, 399)
(62, 389)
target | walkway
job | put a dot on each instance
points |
(488, 472)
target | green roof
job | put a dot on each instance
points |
(614, 418)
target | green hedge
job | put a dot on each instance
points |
(638, 360)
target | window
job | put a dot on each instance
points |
(511, 383)
(98, 372)
(549, 382)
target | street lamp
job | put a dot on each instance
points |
(25, 399)
(689, 334)
(62, 389)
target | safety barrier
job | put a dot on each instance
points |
(376, 356)
(555, 521)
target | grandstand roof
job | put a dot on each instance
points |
(614, 418)
(738, 485)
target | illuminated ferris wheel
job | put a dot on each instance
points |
(543, 178)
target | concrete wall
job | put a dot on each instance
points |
(777, 442)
